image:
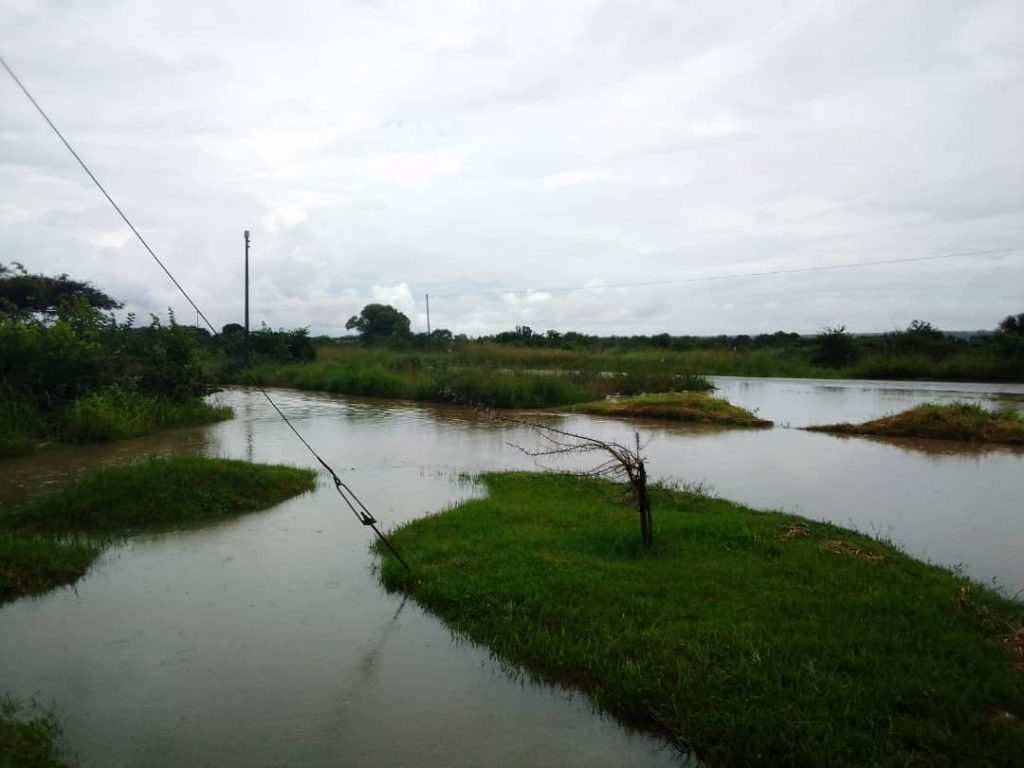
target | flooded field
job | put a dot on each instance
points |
(267, 640)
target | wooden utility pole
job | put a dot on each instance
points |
(428, 314)
(248, 358)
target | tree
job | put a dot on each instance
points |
(621, 462)
(22, 293)
(924, 329)
(1013, 324)
(379, 322)
(835, 347)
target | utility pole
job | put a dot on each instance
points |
(428, 314)
(248, 358)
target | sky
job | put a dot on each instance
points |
(571, 165)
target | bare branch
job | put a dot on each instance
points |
(621, 462)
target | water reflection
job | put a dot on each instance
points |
(804, 402)
(937, 448)
(266, 640)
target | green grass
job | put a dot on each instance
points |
(116, 415)
(109, 414)
(160, 493)
(785, 360)
(53, 540)
(957, 421)
(28, 737)
(752, 638)
(438, 378)
(31, 564)
(694, 407)
(509, 376)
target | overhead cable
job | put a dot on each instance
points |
(726, 276)
(351, 500)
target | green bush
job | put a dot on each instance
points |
(79, 375)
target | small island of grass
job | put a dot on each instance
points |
(957, 421)
(749, 638)
(692, 407)
(53, 540)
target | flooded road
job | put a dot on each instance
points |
(267, 641)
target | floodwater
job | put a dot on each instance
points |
(267, 641)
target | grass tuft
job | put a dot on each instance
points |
(753, 638)
(957, 421)
(694, 407)
(112, 414)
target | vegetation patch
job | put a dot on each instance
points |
(957, 421)
(743, 636)
(28, 737)
(70, 373)
(53, 540)
(692, 407)
(438, 378)
(31, 564)
(113, 414)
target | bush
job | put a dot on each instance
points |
(81, 376)
(835, 348)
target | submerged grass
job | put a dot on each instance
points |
(32, 564)
(694, 407)
(53, 540)
(109, 414)
(115, 415)
(436, 379)
(752, 638)
(787, 360)
(957, 421)
(28, 737)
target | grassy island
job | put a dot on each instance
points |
(53, 540)
(693, 407)
(958, 421)
(434, 379)
(751, 638)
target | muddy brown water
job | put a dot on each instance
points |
(267, 640)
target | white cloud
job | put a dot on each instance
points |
(574, 178)
(398, 296)
(411, 169)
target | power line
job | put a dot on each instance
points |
(348, 496)
(105, 193)
(729, 276)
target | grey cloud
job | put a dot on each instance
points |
(467, 148)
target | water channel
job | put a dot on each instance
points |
(267, 640)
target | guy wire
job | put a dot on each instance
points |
(348, 496)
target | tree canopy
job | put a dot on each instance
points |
(22, 293)
(1013, 324)
(379, 322)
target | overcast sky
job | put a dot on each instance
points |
(520, 161)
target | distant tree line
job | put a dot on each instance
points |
(921, 350)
